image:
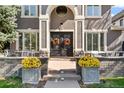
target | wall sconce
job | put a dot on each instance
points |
(60, 26)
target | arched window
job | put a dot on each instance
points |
(61, 11)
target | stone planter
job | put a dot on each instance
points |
(31, 76)
(90, 75)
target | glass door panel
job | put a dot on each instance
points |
(27, 41)
(33, 41)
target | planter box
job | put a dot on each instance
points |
(90, 75)
(31, 76)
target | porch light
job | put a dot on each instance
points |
(29, 28)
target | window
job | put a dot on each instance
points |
(61, 11)
(89, 41)
(44, 9)
(102, 41)
(29, 10)
(93, 10)
(121, 22)
(97, 10)
(26, 10)
(94, 41)
(33, 10)
(20, 40)
(29, 41)
(89, 10)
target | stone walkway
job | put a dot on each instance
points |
(62, 84)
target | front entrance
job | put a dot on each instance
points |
(123, 46)
(61, 44)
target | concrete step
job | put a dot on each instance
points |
(62, 71)
(62, 59)
(59, 65)
(62, 84)
(62, 77)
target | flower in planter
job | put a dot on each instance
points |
(31, 62)
(88, 61)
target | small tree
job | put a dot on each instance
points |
(7, 24)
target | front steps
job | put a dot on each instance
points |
(61, 69)
(62, 77)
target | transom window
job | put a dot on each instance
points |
(61, 11)
(28, 41)
(94, 41)
(29, 10)
(93, 10)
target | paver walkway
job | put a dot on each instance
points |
(62, 84)
(62, 74)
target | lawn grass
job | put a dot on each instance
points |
(108, 83)
(11, 82)
(15, 82)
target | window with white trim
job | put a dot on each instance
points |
(93, 10)
(121, 22)
(29, 10)
(94, 41)
(28, 41)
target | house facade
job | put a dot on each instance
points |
(62, 30)
(117, 32)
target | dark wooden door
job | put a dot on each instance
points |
(61, 44)
(123, 46)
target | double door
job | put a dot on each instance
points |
(61, 44)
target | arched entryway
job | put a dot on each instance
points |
(61, 31)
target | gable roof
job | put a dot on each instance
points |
(118, 16)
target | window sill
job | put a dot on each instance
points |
(93, 16)
(29, 16)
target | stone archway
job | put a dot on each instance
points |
(52, 7)
(45, 31)
(61, 20)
